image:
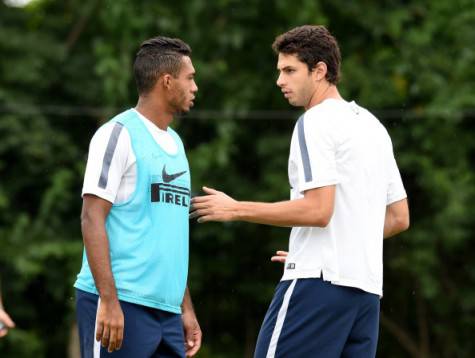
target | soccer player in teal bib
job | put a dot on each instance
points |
(132, 297)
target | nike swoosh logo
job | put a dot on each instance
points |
(170, 177)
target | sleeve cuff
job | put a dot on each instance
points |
(101, 194)
(317, 184)
(396, 197)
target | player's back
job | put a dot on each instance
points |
(363, 159)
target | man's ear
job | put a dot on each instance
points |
(320, 71)
(166, 80)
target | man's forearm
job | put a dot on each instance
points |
(98, 257)
(299, 212)
(314, 209)
(187, 305)
(392, 226)
(396, 219)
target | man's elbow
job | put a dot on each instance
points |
(86, 218)
(88, 221)
(322, 219)
(402, 223)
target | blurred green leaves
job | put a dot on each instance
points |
(412, 62)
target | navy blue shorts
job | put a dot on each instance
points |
(148, 332)
(314, 318)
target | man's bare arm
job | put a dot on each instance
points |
(93, 221)
(314, 209)
(110, 318)
(397, 218)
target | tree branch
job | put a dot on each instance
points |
(402, 337)
(80, 25)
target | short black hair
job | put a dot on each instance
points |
(312, 44)
(155, 57)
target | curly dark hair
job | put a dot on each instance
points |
(312, 44)
(155, 57)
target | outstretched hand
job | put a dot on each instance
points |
(216, 206)
(279, 256)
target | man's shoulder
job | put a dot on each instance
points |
(126, 117)
(117, 121)
(319, 118)
(326, 111)
(112, 132)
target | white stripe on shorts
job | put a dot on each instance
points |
(280, 321)
(97, 344)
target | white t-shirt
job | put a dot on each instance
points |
(122, 172)
(342, 144)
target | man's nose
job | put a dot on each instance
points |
(280, 81)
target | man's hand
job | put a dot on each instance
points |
(110, 325)
(216, 206)
(279, 256)
(5, 323)
(192, 333)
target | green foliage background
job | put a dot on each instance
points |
(65, 68)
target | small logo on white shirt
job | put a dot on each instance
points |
(290, 266)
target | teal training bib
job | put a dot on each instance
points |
(148, 234)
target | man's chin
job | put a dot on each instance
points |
(183, 111)
(294, 103)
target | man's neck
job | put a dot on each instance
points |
(155, 112)
(326, 91)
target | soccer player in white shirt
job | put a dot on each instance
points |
(346, 196)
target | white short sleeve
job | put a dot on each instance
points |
(396, 189)
(108, 159)
(317, 167)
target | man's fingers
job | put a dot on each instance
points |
(120, 338)
(195, 345)
(3, 332)
(193, 214)
(203, 215)
(279, 256)
(6, 320)
(200, 199)
(199, 210)
(205, 218)
(99, 331)
(210, 190)
(191, 352)
(105, 336)
(112, 340)
(196, 206)
(194, 350)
